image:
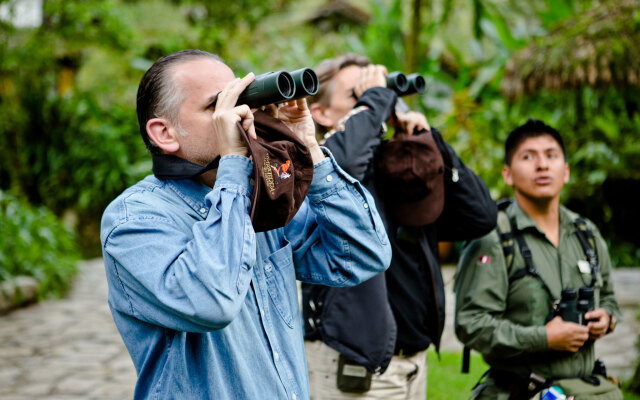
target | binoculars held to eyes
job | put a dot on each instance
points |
(574, 305)
(280, 86)
(405, 85)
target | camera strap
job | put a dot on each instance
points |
(167, 166)
(587, 241)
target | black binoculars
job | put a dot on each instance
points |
(405, 85)
(279, 86)
(574, 305)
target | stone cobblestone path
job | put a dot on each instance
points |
(70, 349)
(66, 349)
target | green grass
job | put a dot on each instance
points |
(445, 379)
(446, 382)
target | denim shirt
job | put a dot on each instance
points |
(207, 308)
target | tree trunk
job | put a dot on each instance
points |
(413, 45)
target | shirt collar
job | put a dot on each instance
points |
(523, 221)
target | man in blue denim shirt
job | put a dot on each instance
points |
(207, 308)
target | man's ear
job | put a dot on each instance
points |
(567, 173)
(162, 133)
(506, 175)
(318, 113)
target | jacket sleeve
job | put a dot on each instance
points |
(188, 278)
(481, 290)
(354, 147)
(337, 236)
(469, 211)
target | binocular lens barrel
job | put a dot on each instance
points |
(568, 294)
(574, 304)
(417, 84)
(397, 81)
(306, 82)
(585, 293)
(268, 88)
(405, 85)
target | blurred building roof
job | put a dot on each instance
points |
(598, 48)
(330, 14)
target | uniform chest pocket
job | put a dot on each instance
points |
(528, 303)
(281, 283)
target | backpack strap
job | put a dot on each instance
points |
(528, 262)
(505, 232)
(588, 243)
(509, 235)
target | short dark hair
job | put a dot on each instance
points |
(158, 96)
(532, 128)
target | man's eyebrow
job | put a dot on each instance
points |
(532, 150)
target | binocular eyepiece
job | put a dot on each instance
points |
(405, 85)
(575, 304)
(279, 86)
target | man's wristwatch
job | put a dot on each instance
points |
(612, 323)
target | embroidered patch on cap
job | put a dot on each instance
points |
(484, 259)
(280, 170)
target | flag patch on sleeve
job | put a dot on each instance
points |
(484, 259)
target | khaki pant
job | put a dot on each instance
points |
(406, 377)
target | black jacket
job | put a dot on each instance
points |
(362, 322)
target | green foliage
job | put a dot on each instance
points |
(68, 141)
(69, 138)
(35, 243)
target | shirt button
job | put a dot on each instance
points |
(203, 210)
(366, 205)
(262, 313)
(329, 178)
(293, 396)
(267, 267)
(276, 356)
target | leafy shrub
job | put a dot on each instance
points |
(35, 243)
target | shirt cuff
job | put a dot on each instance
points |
(538, 339)
(235, 172)
(327, 177)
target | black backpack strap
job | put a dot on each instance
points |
(466, 359)
(588, 243)
(505, 232)
(528, 261)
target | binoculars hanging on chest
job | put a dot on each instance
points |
(574, 305)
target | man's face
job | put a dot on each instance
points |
(199, 81)
(342, 99)
(538, 170)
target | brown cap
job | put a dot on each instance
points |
(410, 173)
(283, 171)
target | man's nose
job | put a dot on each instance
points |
(543, 163)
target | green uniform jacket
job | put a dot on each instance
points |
(506, 322)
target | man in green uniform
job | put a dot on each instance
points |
(505, 301)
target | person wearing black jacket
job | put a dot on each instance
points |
(370, 341)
